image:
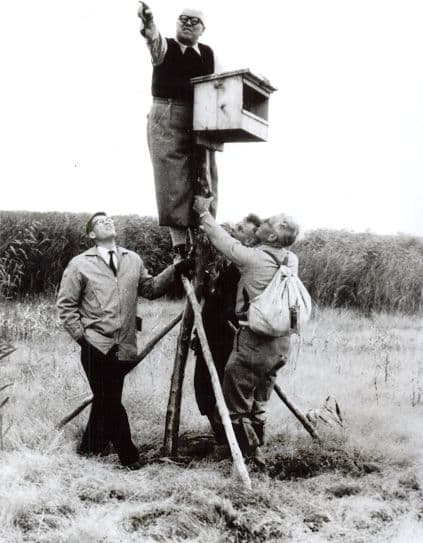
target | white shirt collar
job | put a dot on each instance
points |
(183, 47)
(104, 253)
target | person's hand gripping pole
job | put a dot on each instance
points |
(202, 205)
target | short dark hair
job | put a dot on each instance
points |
(255, 219)
(89, 226)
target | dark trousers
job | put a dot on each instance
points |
(108, 422)
(204, 394)
(249, 379)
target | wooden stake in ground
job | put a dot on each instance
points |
(173, 412)
(220, 402)
(140, 357)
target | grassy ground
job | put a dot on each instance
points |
(364, 484)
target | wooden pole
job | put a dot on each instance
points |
(220, 402)
(173, 412)
(140, 357)
(74, 413)
(297, 412)
(170, 445)
(5, 348)
(201, 248)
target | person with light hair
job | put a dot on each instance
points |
(175, 157)
(220, 320)
(250, 372)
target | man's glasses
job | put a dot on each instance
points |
(193, 21)
(102, 220)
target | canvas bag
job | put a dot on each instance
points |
(282, 307)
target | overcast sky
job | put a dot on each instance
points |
(345, 147)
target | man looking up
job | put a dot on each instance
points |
(97, 305)
(175, 157)
(255, 359)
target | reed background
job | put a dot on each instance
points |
(365, 271)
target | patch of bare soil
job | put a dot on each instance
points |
(318, 459)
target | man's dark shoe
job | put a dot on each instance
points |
(218, 430)
(133, 466)
(108, 449)
(86, 454)
(257, 459)
(222, 452)
(90, 454)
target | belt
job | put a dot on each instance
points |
(172, 101)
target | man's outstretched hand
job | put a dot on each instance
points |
(146, 15)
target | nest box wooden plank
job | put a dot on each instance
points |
(231, 107)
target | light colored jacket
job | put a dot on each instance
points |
(95, 304)
(256, 266)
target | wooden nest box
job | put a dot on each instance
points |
(231, 107)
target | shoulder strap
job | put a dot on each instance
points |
(284, 262)
(245, 293)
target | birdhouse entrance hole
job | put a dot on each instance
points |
(255, 102)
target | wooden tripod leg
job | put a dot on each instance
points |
(170, 446)
(74, 413)
(140, 357)
(297, 412)
(217, 389)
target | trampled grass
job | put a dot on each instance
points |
(363, 484)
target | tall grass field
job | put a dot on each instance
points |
(363, 483)
(341, 269)
(363, 347)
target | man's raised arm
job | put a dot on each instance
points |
(153, 287)
(155, 41)
(224, 242)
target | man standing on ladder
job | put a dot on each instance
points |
(176, 159)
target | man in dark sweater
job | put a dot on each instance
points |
(176, 159)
